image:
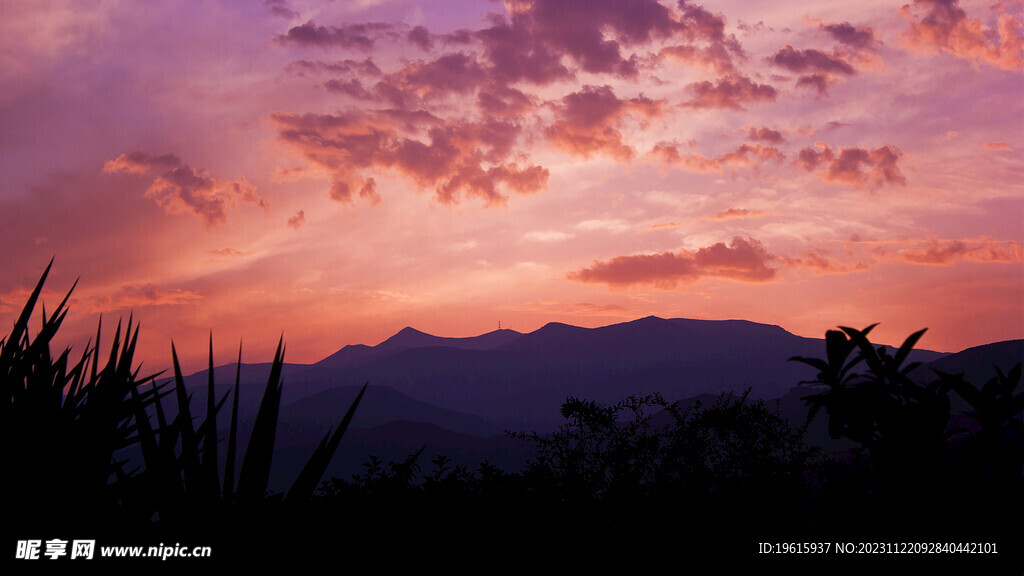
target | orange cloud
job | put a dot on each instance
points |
(182, 189)
(945, 26)
(821, 264)
(997, 146)
(709, 45)
(810, 60)
(744, 260)
(298, 220)
(751, 155)
(766, 135)
(364, 67)
(733, 213)
(945, 252)
(863, 37)
(662, 226)
(744, 155)
(731, 91)
(456, 73)
(855, 166)
(143, 295)
(360, 36)
(141, 163)
(186, 190)
(586, 122)
(458, 158)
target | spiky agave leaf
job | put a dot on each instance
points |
(307, 481)
(189, 443)
(14, 340)
(255, 473)
(210, 479)
(229, 466)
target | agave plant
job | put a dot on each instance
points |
(182, 473)
(66, 428)
(61, 424)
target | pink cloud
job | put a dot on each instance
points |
(810, 60)
(141, 163)
(997, 146)
(543, 41)
(593, 32)
(458, 157)
(186, 190)
(766, 135)
(821, 264)
(855, 166)
(863, 37)
(182, 189)
(348, 36)
(504, 102)
(143, 295)
(944, 26)
(714, 57)
(745, 155)
(731, 91)
(946, 252)
(709, 45)
(669, 153)
(353, 87)
(420, 36)
(281, 9)
(733, 213)
(662, 226)
(819, 82)
(586, 122)
(364, 67)
(751, 155)
(457, 73)
(744, 260)
(297, 220)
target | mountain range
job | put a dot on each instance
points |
(457, 395)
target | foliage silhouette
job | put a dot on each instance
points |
(917, 458)
(635, 471)
(62, 421)
(80, 421)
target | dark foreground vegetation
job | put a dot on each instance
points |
(90, 451)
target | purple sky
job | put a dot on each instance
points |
(338, 170)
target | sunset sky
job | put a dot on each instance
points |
(335, 171)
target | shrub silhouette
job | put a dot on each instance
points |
(65, 426)
(921, 470)
(62, 423)
(731, 453)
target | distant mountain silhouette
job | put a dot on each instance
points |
(977, 363)
(379, 405)
(456, 395)
(518, 381)
(411, 338)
